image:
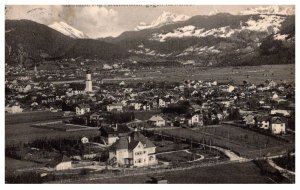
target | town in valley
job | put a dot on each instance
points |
(202, 98)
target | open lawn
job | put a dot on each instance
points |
(165, 145)
(244, 142)
(175, 157)
(230, 173)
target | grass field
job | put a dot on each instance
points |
(20, 130)
(13, 164)
(252, 74)
(31, 117)
(230, 173)
(246, 143)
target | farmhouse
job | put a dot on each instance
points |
(133, 150)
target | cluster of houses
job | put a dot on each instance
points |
(192, 103)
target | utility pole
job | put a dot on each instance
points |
(210, 144)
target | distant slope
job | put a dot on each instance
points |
(29, 41)
(217, 40)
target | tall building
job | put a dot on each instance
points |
(88, 82)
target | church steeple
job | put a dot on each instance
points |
(88, 82)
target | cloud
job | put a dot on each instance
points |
(95, 21)
(41, 14)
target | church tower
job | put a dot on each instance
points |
(88, 82)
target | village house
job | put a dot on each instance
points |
(61, 163)
(194, 120)
(278, 125)
(115, 107)
(146, 106)
(110, 134)
(133, 150)
(13, 108)
(279, 111)
(263, 122)
(82, 109)
(161, 103)
(157, 121)
(249, 119)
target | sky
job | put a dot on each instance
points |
(104, 21)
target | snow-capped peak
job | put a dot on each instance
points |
(67, 30)
(270, 10)
(163, 19)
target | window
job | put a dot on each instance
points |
(144, 152)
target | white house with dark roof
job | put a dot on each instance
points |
(157, 121)
(133, 150)
(278, 125)
(82, 109)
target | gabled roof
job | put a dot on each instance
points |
(137, 136)
(156, 118)
(131, 141)
(81, 106)
(277, 120)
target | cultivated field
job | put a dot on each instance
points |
(19, 130)
(244, 142)
(31, 117)
(251, 74)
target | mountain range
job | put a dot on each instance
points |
(67, 30)
(253, 37)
